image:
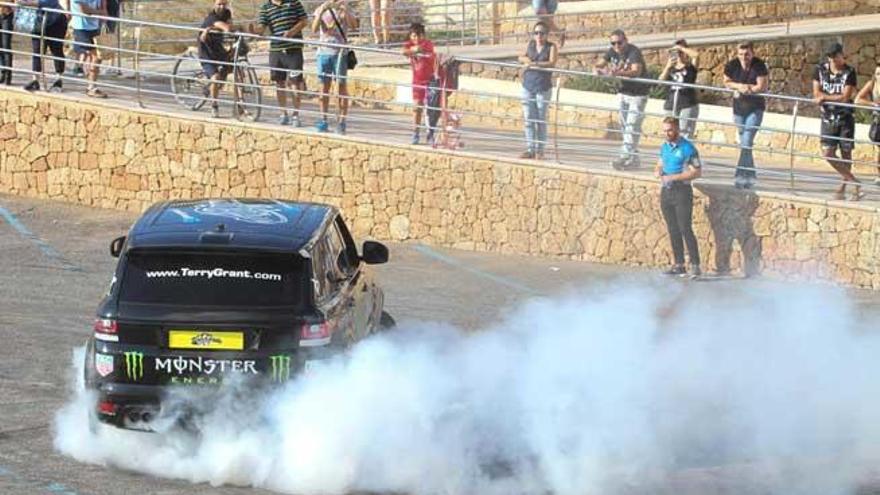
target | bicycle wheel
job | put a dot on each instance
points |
(251, 94)
(189, 84)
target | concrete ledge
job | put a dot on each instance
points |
(102, 155)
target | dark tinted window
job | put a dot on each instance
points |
(215, 279)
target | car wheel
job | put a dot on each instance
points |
(386, 322)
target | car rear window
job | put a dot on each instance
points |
(215, 279)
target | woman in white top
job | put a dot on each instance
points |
(870, 95)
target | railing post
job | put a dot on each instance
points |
(235, 101)
(556, 117)
(478, 23)
(43, 51)
(675, 91)
(119, 40)
(794, 116)
(137, 65)
(463, 8)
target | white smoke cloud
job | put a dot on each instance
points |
(759, 391)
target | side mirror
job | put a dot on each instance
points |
(116, 246)
(374, 253)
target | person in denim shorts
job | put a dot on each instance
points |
(85, 30)
(332, 60)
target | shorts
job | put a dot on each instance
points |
(420, 92)
(216, 68)
(287, 64)
(84, 40)
(549, 6)
(332, 66)
(838, 132)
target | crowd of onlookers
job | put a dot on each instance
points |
(745, 75)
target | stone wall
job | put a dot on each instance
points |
(583, 24)
(114, 157)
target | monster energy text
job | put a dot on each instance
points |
(280, 367)
(134, 365)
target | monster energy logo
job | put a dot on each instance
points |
(280, 368)
(134, 365)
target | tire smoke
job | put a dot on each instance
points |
(622, 391)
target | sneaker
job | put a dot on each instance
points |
(322, 126)
(618, 163)
(32, 86)
(340, 128)
(295, 121)
(415, 138)
(96, 93)
(284, 119)
(857, 194)
(676, 271)
(57, 86)
(632, 162)
(215, 111)
(527, 155)
(695, 271)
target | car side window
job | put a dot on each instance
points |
(339, 250)
(350, 247)
(320, 275)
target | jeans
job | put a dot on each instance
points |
(677, 206)
(535, 113)
(687, 120)
(747, 128)
(54, 43)
(6, 24)
(632, 113)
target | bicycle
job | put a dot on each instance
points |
(191, 88)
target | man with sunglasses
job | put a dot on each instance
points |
(834, 81)
(626, 61)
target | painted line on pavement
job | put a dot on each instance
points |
(498, 279)
(52, 487)
(45, 247)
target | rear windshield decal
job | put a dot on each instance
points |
(263, 214)
(185, 272)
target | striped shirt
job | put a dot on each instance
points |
(280, 18)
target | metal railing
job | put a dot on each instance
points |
(150, 78)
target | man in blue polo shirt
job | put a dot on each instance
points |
(678, 165)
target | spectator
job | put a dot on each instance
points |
(678, 165)
(540, 54)
(7, 24)
(834, 81)
(682, 68)
(545, 9)
(285, 19)
(625, 60)
(747, 75)
(56, 31)
(332, 18)
(380, 16)
(420, 51)
(85, 30)
(214, 57)
(870, 95)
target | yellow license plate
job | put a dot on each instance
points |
(194, 339)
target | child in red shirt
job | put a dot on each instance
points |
(421, 54)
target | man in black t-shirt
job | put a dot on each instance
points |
(213, 55)
(747, 75)
(625, 60)
(835, 82)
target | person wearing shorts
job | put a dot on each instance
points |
(834, 81)
(85, 30)
(284, 19)
(214, 57)
(331, 20)
(869, 95)
(545, 9)
(420, 51)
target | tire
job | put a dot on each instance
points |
(386, 322)
(188, 83)
(251, 94)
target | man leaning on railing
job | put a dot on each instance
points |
(747, 75)
(625, 60)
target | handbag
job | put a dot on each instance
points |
(874, 131)
(351, 60)
(28, 20)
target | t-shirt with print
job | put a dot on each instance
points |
(687, 97)
(835, 84)
(279, 19)
(423, 63)
(212, 48)
(329, 32)
(747, 104)
(624, 61)
(81, 22)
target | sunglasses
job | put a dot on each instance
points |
(541, 33)
(616, 43)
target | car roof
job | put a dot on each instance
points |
(258, 224)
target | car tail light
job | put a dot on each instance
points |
(106, 329)
(107, 408)
(315, 334)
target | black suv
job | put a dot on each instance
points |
(213, 288)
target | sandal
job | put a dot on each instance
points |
(857, 195)
(96, 93)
